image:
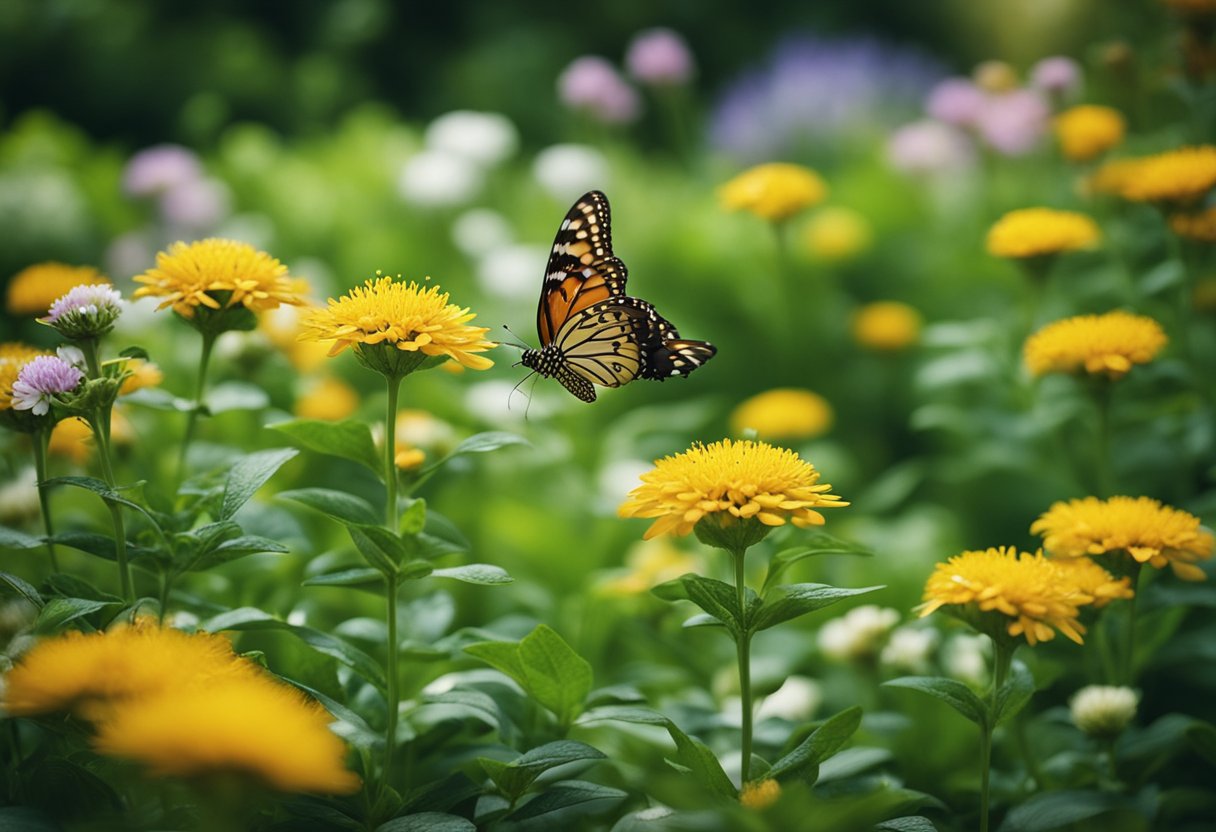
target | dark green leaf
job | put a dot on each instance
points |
(793, 600)
(351, 727)
(134, 352)
(382, 548)
(821, 744)
(1054, 810)
(413, 519)
(363, 577)
(810, 545)
(459, 704)
(26, 819)
(1202, 737)
(345, 508)
(624, 713)
(514, 778)
(912, 823)
(428, 822)
(1014, 694)
(249, 474)
(22, 587)
(13, 539)
(57, 613)
(717, 598)
(955, 694)
(349, 439)
(415, 569)
(572, 798)
(475, 573)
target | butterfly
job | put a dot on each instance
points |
(590, 331)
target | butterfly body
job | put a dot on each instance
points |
(591, 332)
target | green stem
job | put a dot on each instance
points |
(1127, 669)
(1102, 395)
(390, 454)
(192, 419)
(785, 280)
(743, 645)
(1002, 658)
(41, 439)
(101, 431)
(391, 694)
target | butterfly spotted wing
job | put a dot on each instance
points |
(598, 345)
(664, 353)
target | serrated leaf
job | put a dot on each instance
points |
(955, 694)
(570, 797)
(349, 439)
(363, 577)
(249, 474)
(22, 587)
(13, 539)
(345, 508)
(794, 600)
(428, 822)
(475, 573)
(1014, 693)
(821, 744)
(57, 613)
(515, 778)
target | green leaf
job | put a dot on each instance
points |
(502, 656)
(57, 613)
(413, 519)
(13, 539)
(475, 573)
(821, 744)
(350, 726)
(514, 778)
(345, 508)
(134, 352)
(22, 587)
(793, 600)
(99, 488)
(717, 598)
(382, 549)
(1014, 694)
(480, 443)
(1053, 810)
(911, 823)
(1202, 738)
(249, 474)
(350, 439)
(428, 822)
(250, 618)
(811, 545)
(158, 398)
(953, 693)
(557, 677)
(572, 798)
(363, 577)
(237, 547)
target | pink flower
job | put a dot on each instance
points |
(1058, 75)
(155, 170)
(41, 380)
(929, 147)
(592, 84)
(956, 101)
(659, 57)
(1013, 123)
(199, 203)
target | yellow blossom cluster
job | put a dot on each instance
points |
(1037, 232)
(1088, 131)
(1107, 344)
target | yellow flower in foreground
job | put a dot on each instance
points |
(13, 356)
(1038, 594)
(1200, 226)
(730, 481)
(403, 315)
(328, 398)
(80, 672)
(887, 325)
(217, 274)
(1088, 131)
(1035, 232)
(760, 794)
(1108, 344)
(837, 233)
(249, 725)
(33, 289)
(783, 413)
(1182, 175)
(650, 563)
(774, 191)
(1150, 532)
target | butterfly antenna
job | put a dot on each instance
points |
(516, 387)
(521, 345)
(530, 389)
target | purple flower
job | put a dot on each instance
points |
(929, 147)
(1013, 123)
(159, 168)
(956, 101)
(41, 380)
(592, 84)
(195, 204)
(1058, 76)
(659, 57)
(87, 311)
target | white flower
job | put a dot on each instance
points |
(72, 355)
(567, 171)
(857, 633)
(797, 700)
(436, 178)
(965, 657)
(484, 138)
(909, 649)
(480, 232)
(514, 271)
(1103, 711)
(19, 497)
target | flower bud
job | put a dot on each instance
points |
(86, 311)
(1103, 711)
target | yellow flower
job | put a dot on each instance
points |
(417, 433)
(218, 274)
(886, 325)
(143, 374)
(1108, 344)
(328, 398)
(1183, 175)
(1150, 532)
(1094, 581)
(13, 356)
(88, 673)
(401, 314)
(760, 794)
(1035, 232)
(1112, 177)
(1038, 594)
(774, 191)
(1200, 226)
(783, 413)
(837, 233)
(248, 725)
(407, 458)
(33, 289)
(72, 438)
(650, 563)
(729, 481)
(1088, 131)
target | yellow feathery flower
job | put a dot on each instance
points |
(648, 564)
(1032, 590)
(190, 275)
(729, 481)
(13, 356)
(1182, 175)
(1108, 344)
(1095, 581)
(1200, 227)
(1035, 232)
(143, 374)
(33, 289)
(89, 672)
(837, 233)
(773, 191)
(783, 413)
(249, 725)
(1150, 532)
(1088, 131)
(887, 325)
(400, 314)
(328, 398)
(760, 794)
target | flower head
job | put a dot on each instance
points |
(659, 57)
(40, 380)
(1108, 344)
(1103, 711)
(956, 101)
(1058, 75)
(13, 356)
(72, 438)
(773, 191)
(783, 413)
(1200, 227)
(216, 274)
(1012, 123)
(1088, 131)
(86, 311)
(1111, 178)
(484, 138)
(909, 648)
(439, 178)
(837, 233)
(887, 325)
(567, 170)
(1036, 232)
(1094, 581)
(1179, 176)
(141, 374)
(159, 169)
(729, 482)
(593, 85)
(995, 76)
(1150, 532)
(33, 289)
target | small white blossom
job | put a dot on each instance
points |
(1103, 711)
(566, 171)
(797, 700)
(434, 179)
(513, 271)
(19, 496)
(908, 649)
(858, 633)
(484, 138)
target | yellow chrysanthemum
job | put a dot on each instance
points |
(729, 480)
(190, 275)
(837, 233)
(1036, 232)
(88, 673)
(401, 314)
(760, 794)
(783, 413)
(1108, 344)
(1088, 131)
(143, 374)
(1038, 594)
(1200, 227)
(1112, 177)
(648, 564)
(1095, 581)
(328, 398)
(13, 356)
(1150, 532)
(250, 725)
(1179, 176)
(33, 289)
(887, 325)
(774, 191)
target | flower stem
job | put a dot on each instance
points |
(390, 454)
(1127, 669)
(1102, 395)
(192, 419)
(743, 645)
(41, 440)
(390, 520)
(1002, 657)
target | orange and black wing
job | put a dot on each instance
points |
(662, 351)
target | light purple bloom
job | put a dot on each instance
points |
(40, 380)
(592, 84)
(1058, 75)
(196, 204)
(659, 57)
(157, 169)
(1013, 123)
(929, 147)
(87, 300)
(956, 101)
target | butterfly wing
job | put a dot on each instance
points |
(582, 270)
(664, 353)
(599, 345)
